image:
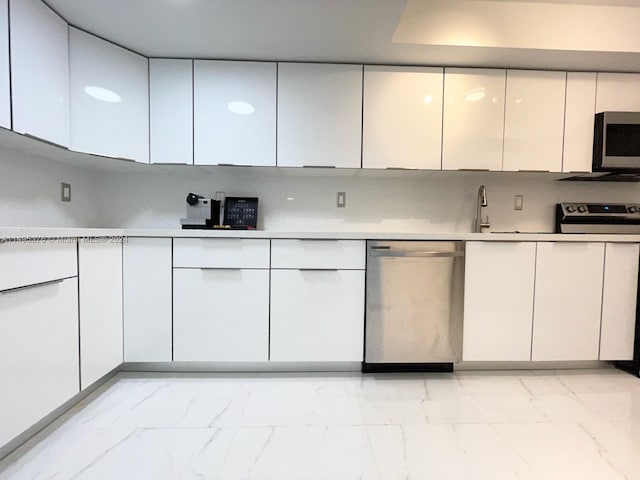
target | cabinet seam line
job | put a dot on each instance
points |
(533, 309)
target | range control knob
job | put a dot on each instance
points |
(633, 209)
(571, 209)
(582, 209)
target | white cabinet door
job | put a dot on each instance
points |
(619, 301)
(568, 298)
(579, 118)
(147, 299)
(38, 353)
(473, 115)
(402, 117)
(109, 98)
(234, 113)
(317, 315)
(220, 315)
(498, 301)
(319, 115)
(171, 110)
(534, 120)
(100, 272)
(618, 92)
(5, 76)
(40, 71)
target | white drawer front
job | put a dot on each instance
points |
(25, 263)
(329, 254)
(220, 253)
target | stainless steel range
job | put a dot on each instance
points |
(598, 218)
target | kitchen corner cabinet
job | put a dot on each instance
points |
(618, 92)
(402, 122)
(171, 111)
(220, 300)
(317, 300)
(5, 75)
(534, 120)
(234, 113)
(147, 302)
(568, 301)
(100, 274)
(579, 120)
(38, 353)
(473, 125)
(619, 301)
(109, 88)
(40, 71)
(319, 115)
(498, 301)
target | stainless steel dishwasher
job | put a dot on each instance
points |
(415, 295)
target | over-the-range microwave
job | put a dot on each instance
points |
(616, 142)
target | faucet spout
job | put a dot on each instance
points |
(481, 202)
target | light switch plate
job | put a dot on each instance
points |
(341, 199)
(65, 192)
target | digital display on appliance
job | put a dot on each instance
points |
(607, 208)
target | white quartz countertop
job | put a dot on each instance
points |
(27, 233)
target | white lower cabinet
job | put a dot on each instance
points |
(498, 301)
(619, 298)
(146, 292)
(568, 299)
(38, 353)
(220, 314)
(317, 315)
(100, 271)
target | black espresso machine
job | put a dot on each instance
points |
(239, 213)
(604, 218)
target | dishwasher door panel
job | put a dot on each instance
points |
(415, 293)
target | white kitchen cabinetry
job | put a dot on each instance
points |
(38, 353)
(498, 301)
(317, 301)
(473, 115)
(579, 119)
(619, 301)
(618, 92)
(568, 300)
(402, 124)
(109, 98)
(319, 115)
(171, 110)
(40, 71)
(534, 120)
(147, 299)
(5, 75)
(234, 113)
(100, 272)
(221, 300)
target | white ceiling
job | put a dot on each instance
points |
(358, 31)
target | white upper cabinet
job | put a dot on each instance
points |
(402, 124)
(171, 110)
(234, 113)
(618, 92)
(40, 71)
(578, 122)
(5, 82)
(534, 120)
(109, 98)
(319, 115)
(473, 119)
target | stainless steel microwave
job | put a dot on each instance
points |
(616, 142)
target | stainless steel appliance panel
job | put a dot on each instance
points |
(414, 306)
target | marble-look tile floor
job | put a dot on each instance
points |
(468, 425)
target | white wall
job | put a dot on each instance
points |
(376, 200)
(30, 193)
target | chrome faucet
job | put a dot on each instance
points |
(480, 222)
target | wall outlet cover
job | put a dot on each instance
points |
(341, 199)
(518, 202)
(65, 192)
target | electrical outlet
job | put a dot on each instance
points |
(518, 202)
(65, 192)
(341, 199)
